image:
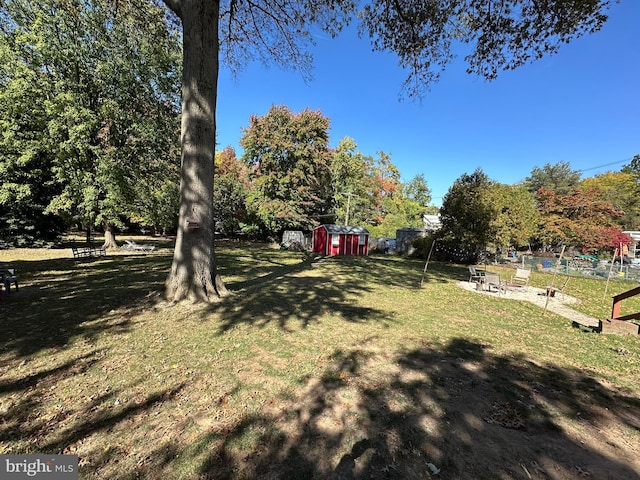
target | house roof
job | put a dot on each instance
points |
(432, 221)
(635, 235)
(347, 229)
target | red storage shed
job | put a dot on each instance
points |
(340, 240)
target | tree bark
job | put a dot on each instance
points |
(109, 237)
(194, 274)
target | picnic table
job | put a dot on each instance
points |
(88, 252)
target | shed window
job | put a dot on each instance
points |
(362, 239)
(335, 240)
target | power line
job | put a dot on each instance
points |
(605, 165)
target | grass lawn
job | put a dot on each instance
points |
(332, 368)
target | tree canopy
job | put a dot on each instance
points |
(559, 178)
(581, 218)
(467, 215)
(633, 167)
(500, 35)
(622, 190)
(288, 155)
(515, 219)
(350, 183)
(102, 84)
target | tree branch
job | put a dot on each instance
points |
(175, 6)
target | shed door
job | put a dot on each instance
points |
(320, 241)
(346, 250)
(334, 248)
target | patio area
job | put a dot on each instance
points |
(558, 304)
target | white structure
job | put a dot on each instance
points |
(431, 222)
(406, 236)
(633, 248)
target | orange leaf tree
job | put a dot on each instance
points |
(580, 218)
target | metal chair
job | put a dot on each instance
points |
(7, 277)
(521, 277)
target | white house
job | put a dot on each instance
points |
(633, 248)
(431, 222)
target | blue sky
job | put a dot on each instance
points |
(580, 106)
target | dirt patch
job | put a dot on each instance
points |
(461, 413)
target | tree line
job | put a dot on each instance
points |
(289, 178)
(90, 125)
(90, 118)
(84, 115)
(551, 208)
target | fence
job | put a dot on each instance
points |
(577, 267)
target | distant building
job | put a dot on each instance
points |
(405, 238)
(432, 222)
(634, 247)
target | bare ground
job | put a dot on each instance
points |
(459, 414)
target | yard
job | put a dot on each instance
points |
(333, 368)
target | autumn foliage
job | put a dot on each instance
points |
(579, 217)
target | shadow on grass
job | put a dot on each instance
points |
(455, 409)
(64, 298)
(18, 421)
(302, 293)
(97, 418)
(25, 421)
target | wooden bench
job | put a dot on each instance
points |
(88, 252)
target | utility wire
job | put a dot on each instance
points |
(605, 165)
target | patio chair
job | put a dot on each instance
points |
(474, 275)
(7, 277)
(131, 245)
(493, 280)
(521, 277)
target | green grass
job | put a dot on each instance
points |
(308, 368)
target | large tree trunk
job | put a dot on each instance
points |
(193, 272)
(109, 237)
